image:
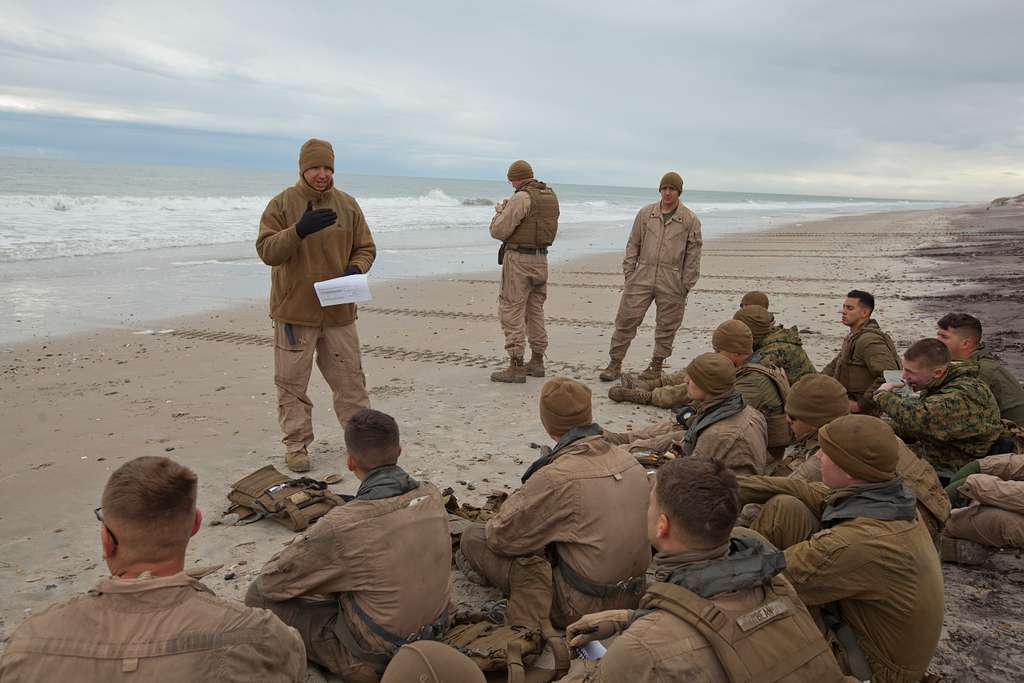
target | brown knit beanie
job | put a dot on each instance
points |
(758, 319)
(564, 404)
(712, 372)
(754, 298)
(732, 336)
(817, 400)
(428, 661)
(520, 170)
(316, 153)
(671, 179)
(863, 446)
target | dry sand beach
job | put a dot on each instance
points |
(201, 390)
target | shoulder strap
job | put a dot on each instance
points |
(776, 375)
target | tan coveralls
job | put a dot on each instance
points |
(388, 559)
(885, 575)
(302, 327)
(524, 282)
(662, 264)
(169, 628)
(995, 516)
(590, 503)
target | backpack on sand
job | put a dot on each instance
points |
(294, 503)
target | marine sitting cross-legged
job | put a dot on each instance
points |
(370, 575)
(149, 620)
(720, 610)
(582, 504)
(857, 549)
(817, 400)
(724, 426)
(775, 345)
(954, 420)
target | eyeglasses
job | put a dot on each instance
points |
(99, 515)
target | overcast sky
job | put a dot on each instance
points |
(894, 99)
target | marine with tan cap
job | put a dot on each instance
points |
(581, 506)
(149, 620)
(857, 550)
(661, 265)
(720, 609)
(776, 345)
(762, 387)
(817, 400)
(311, 232)
(526, 223)
(755, 298)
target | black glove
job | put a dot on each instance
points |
(315, 220)
(352, 270)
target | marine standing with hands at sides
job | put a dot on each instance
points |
(311, 232)
(526, 224)
(661, 265)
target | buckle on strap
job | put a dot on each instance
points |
(634, 585)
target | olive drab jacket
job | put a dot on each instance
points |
(766, 388)
(718, 616)
(169, 628)
(296, 262)
(664, 252)
(589, 503)
(865, 355)
(884, 574)
(952, 422)
(783, 348)
(1008, 391)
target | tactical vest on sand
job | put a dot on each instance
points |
(776, 641)
(779, 433)
(540, 225)
(857, 378)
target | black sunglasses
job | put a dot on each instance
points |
(99, 515)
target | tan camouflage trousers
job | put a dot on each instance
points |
(336, 349)
(670, 303)
(314, 620)
(524, 288)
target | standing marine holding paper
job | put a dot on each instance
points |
(312, 232)
(526, 224)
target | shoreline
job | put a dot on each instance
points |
(76, 407)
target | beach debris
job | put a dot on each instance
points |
(203, 570)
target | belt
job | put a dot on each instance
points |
(634, 585)
(379, 661)
(528, 250)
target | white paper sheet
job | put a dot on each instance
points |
(343, 290)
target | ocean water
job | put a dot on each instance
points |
(60, 209)
(92, 246)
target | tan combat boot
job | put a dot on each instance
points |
(612, 372)
(621, 393)
(962, 551)
(653, 370)
(297, 461)
(515, 373)
(535, 368)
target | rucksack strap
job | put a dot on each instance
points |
(855, 659)
(634, 585)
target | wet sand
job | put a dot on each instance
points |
(200, 389)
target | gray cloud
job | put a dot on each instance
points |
(916, 99)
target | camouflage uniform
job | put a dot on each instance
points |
(1005, 387)
(783, 349)
(950, 423)
(669, 391)
(865, 355)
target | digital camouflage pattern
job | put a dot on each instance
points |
(1005, 387)
(949, 424)
(783, 348)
